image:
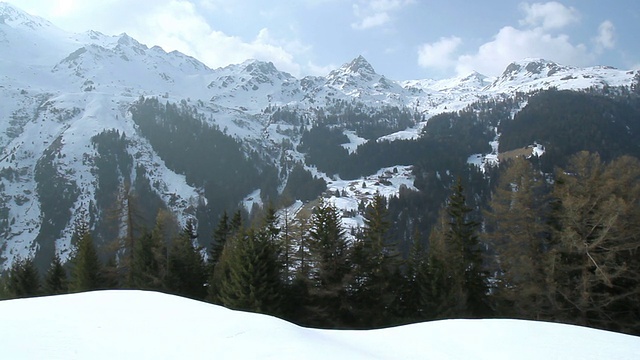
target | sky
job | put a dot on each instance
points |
(402, 39)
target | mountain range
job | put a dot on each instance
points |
(60, 92)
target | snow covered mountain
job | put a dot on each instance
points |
(58, 91)
(138, 324)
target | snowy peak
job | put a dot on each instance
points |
(16, 18)
(470, 83)
(252, 86)
(531, 74)
(360, 65)
(127, 41)
(531, 68)
(474, 81)
(358, 79)
(357, 68)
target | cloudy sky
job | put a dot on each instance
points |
(402, 39)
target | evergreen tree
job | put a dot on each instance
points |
(187, 272)
(149, 262)
(23, 280)
(111, 274)
(86, 270)
(270, 224)
(332, 266)
(56, 281)
(376, 266)
(236, 222)
(286, 245)
(254, 274)
(409, 305)
(220, 236)
(459, 282)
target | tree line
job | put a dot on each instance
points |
(562, 249)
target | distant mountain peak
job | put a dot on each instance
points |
(255, 67)
(360, 65)
(357, 68)
(126, 40)
(531, 66)
(474, 75)
(16, 17)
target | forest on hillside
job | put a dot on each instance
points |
(564, 251)
(550, 238)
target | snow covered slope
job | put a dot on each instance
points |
(148, 325)
(58, 90)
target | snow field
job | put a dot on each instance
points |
(128, 324)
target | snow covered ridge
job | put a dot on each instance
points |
(43, 57)
(148, 325)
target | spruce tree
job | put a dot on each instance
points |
(23, 280)
(86, 271)
(254, 274)
(408, 307)
(236, 222)
(56, 281)
(187, 271)
(220, 236)
(270, 226)
(331, 273)
(459, 281)
(149, 262)
(376, 266)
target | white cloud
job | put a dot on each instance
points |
(439, 54)
(550, 15)
(606, 36)
(179, 27)
(173, 25)
(513, 44)
(540, 35)
(376, 13)
(371, 21)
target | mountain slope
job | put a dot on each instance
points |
(60, 91)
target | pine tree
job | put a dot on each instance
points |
(56, 281)
(332, 266)
(254, 274)
(23, 280)
(187, 271)
(459, 282)
(149, 262)
(376, 266)
(220, 236)
(409, 305)
(236, 222)
(86, 272)
(270, 224)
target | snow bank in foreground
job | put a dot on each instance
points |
(138, 324)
